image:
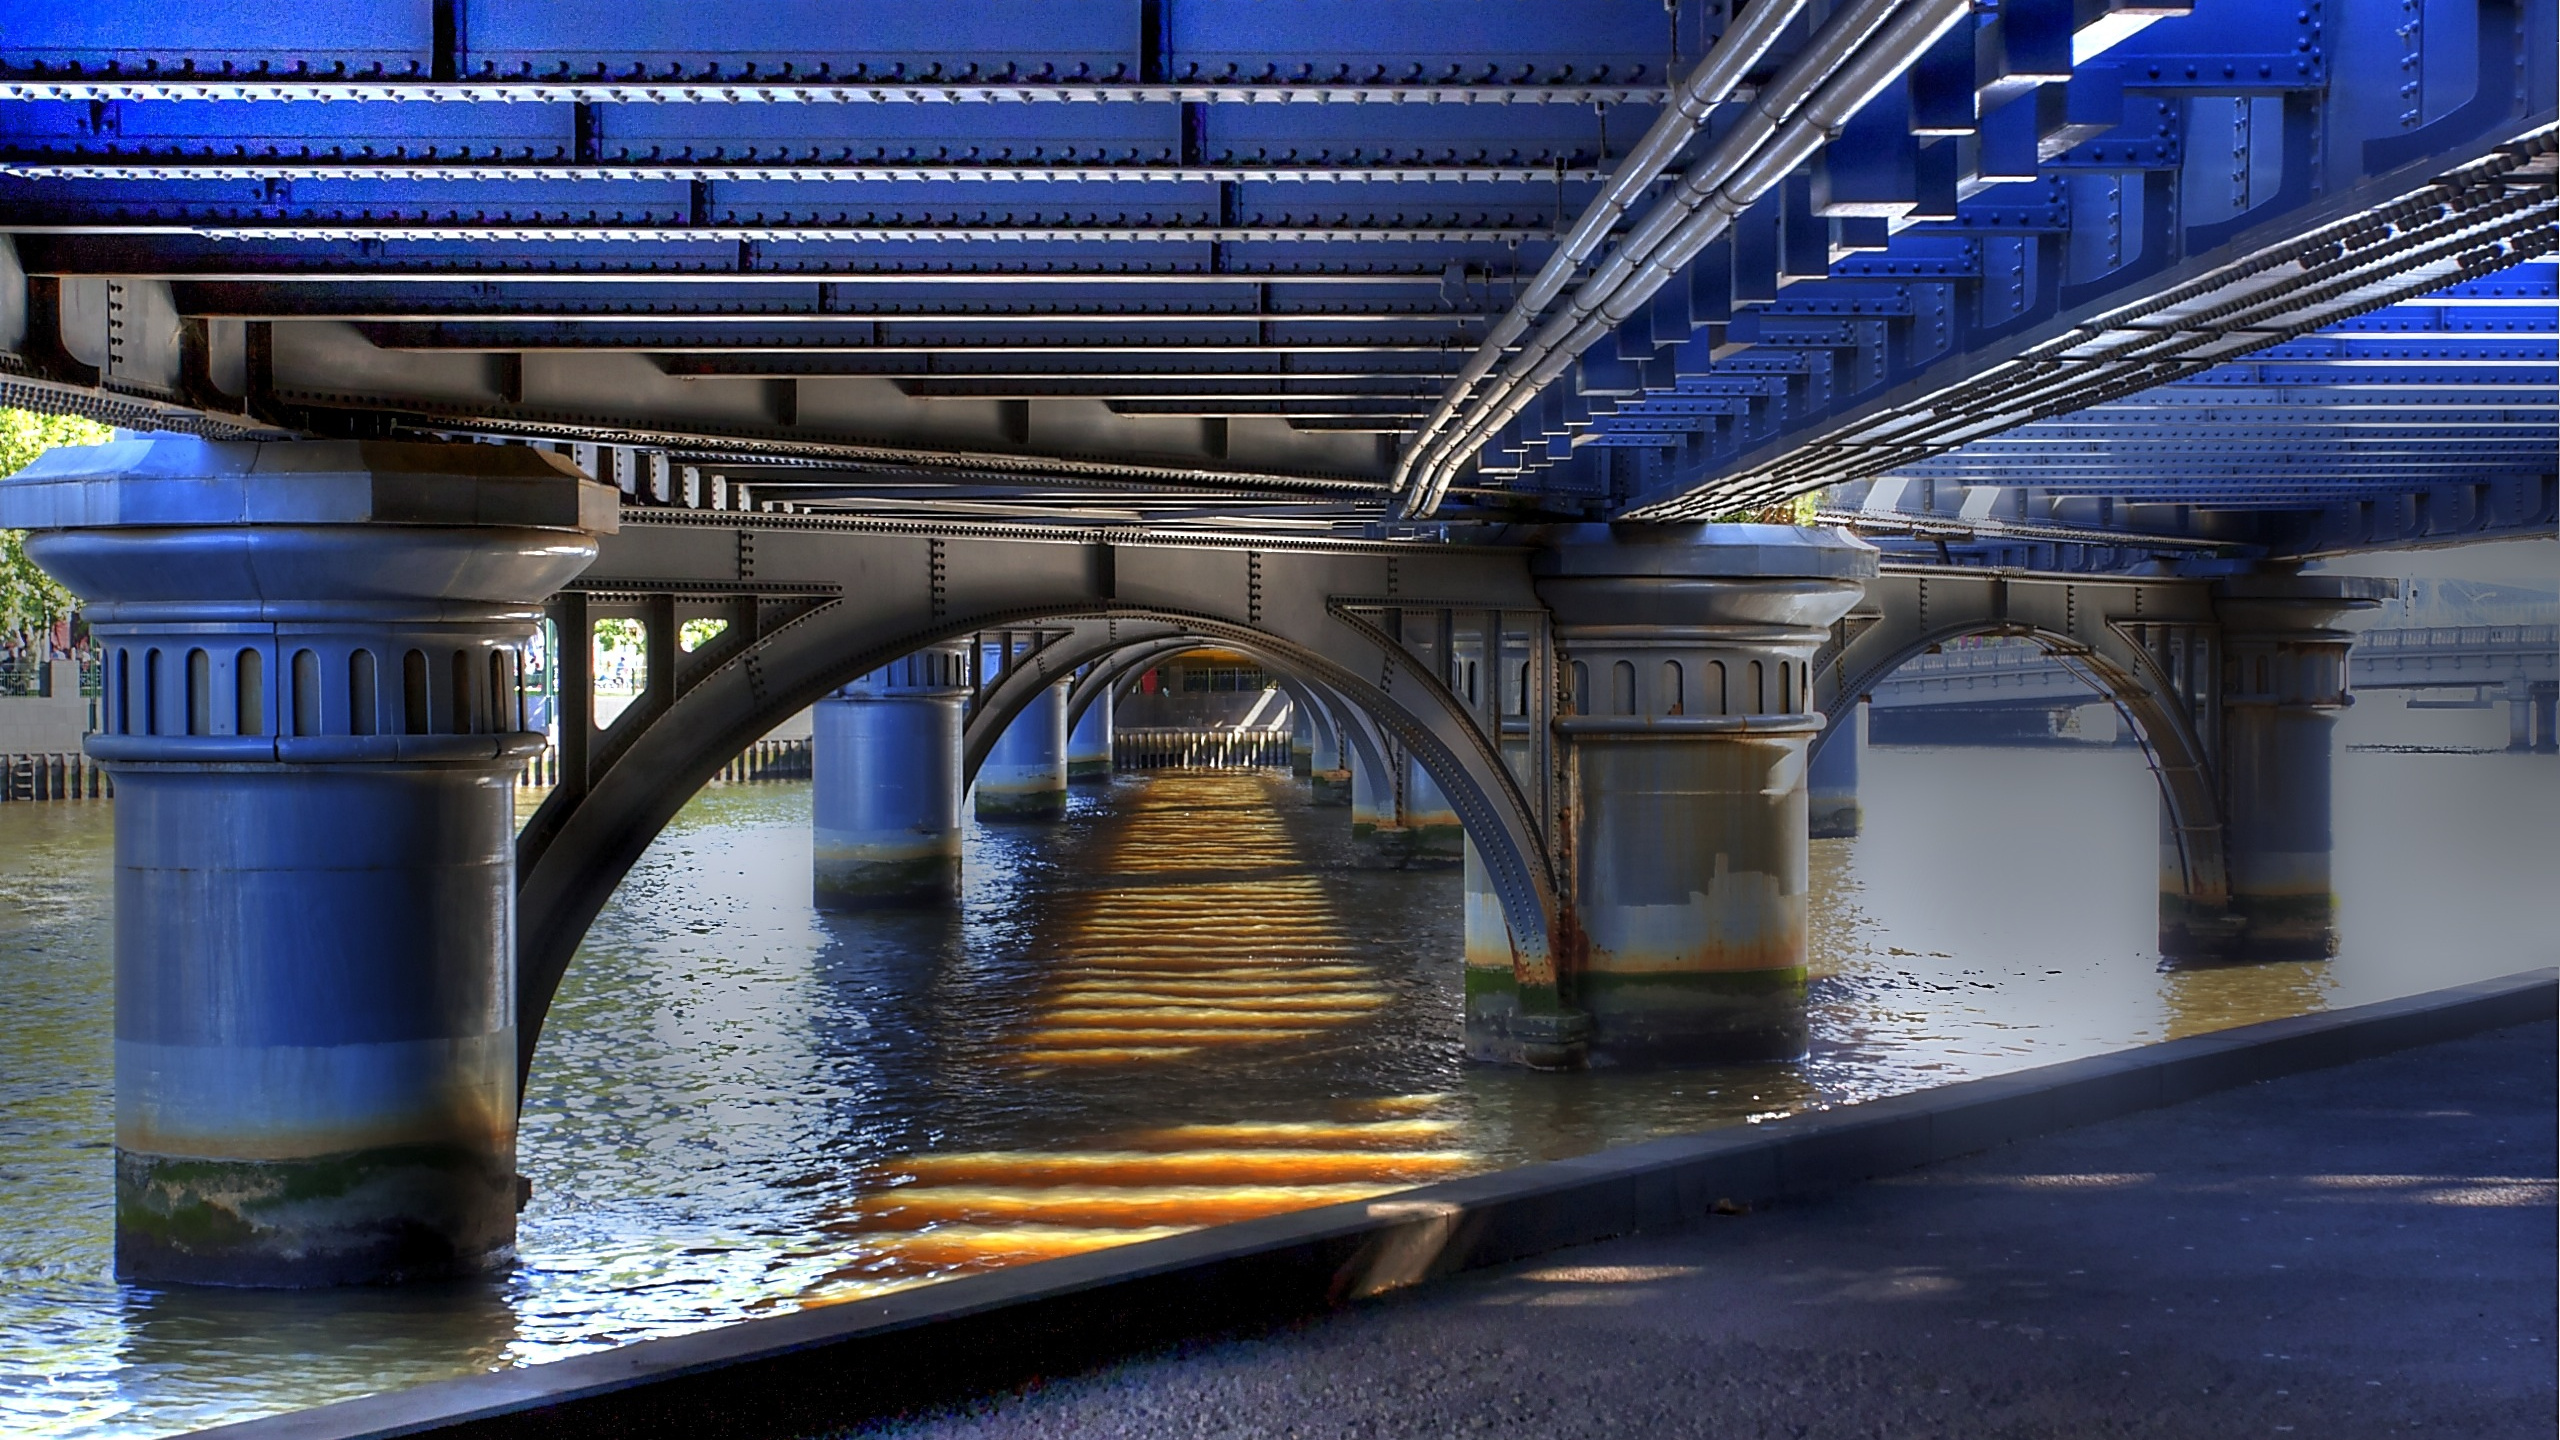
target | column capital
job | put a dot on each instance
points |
(2277, 606)
(176, 528)
(1774, 578)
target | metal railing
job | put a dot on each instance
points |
(1200, 749)
(2462, 637)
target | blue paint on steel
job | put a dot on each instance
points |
(885, 773)
(1317, 212)
(1025, 775)
(315, 712)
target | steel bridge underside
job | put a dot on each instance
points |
(2131, 281)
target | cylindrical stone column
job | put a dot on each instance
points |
(1329, 765)
(1690, 653)
(314, 714)
(2283, 682)
(1376, 817)
(1025, 774)
(1433, 833)
(2519, 715)
(1831, 783)
(1489, 960)
(885, 758)
(1089, 742)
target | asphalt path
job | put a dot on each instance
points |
(2363, 1251)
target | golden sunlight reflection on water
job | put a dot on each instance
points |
(1187, 1004)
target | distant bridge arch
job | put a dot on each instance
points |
(2150, 648)
(814, 604)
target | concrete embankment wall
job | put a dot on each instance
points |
(827, 1368)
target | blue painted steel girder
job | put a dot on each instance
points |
(1234, 173)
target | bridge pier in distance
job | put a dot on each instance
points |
(1377, 821)
(886, 771)
(1433, 834)
(1831, 784)
(1089, 741)
(1024, 776)
(315, 717)
(2531, 711)
(1690, 651)
(1329, 781)
(2283, 683)
(1302, 741)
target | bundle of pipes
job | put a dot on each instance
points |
(1863, 48)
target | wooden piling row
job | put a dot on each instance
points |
(59, 776)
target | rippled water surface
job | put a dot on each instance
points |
(1185, 1004)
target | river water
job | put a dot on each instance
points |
(1185, 1004)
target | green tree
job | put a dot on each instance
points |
(29, 600)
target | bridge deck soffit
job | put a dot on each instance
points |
(1217, 265)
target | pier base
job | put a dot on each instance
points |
(2284, 680)
(1831, 783)
(1433, 834)
(885, 805)
(315, 719)
(1025, 775)
(1691, 651)
(1089, 741)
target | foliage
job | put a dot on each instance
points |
(30, 601)
(696, 633)
(620, 635)
(1798, 511)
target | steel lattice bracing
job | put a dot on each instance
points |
(1228, 264)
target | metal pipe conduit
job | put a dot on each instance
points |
(1790, 121)
(1711, 84)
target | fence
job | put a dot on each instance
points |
(764, 760)
(72, 776)
(1200, 749)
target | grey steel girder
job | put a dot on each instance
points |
(2150, 646)
(814, 603)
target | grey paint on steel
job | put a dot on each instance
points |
(904, 586)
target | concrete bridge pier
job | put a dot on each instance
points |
(314, 714)
(1025, 774)
(1832, 779)
(2283, 682)
(1432, 831)
(1089, 741)
(2531, 712)
(885, 762)
(1377, 819)
(1690, 651)
(1329, 779)
(1302, 740)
